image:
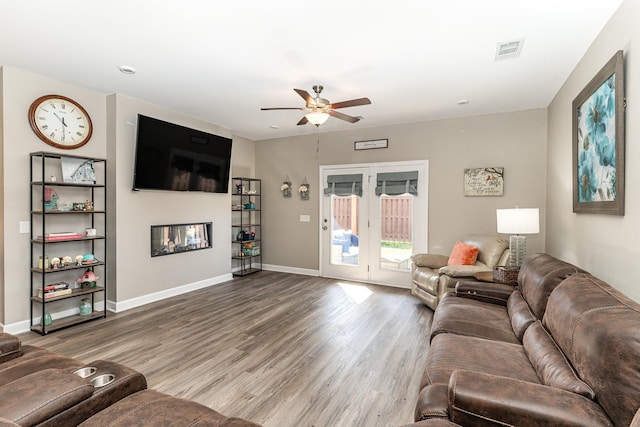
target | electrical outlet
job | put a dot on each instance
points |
(305, 218)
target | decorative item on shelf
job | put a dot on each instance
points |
(90, 232)
(88, 205)
(50, 199)
(250, 205)
(64, 206)
(238, 188)
(78, 259)
(65, 261)
(77, 207)
(43, 262)
(88, 259)
(55, 262)
(47, 320)
(52, 178)
(304, 189)
(286, 187)
(88, 279)
(517, 222)
(85, 307)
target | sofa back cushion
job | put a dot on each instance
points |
(550, 364)
(519, 314)
(490, 248)
(598, 330)
(539, 276)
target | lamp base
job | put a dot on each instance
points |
(517, 250)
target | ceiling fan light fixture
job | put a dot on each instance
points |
(317, 117)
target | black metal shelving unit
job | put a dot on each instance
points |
(246, 226)
(44, 219)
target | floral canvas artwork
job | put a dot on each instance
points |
(598, 142)
(597, 145)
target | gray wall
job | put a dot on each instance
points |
(133, 276)
(606, 246)
(516, 141)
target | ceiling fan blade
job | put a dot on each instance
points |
(343, 116)
(282, 108)
(305, 95)
(351, 103)
(303, 121)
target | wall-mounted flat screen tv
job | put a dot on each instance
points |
(176, 158)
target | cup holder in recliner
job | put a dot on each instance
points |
(85, 372)
(103, 380)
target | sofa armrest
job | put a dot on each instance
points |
(9, 347)
(39, 396)
(430, 260)
(477, 397)
(493, 293)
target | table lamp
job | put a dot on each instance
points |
(517, 222)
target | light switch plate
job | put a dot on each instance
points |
(305, 218)
(24, 227)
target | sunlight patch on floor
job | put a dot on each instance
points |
(357, 293)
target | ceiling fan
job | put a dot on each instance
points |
(319, 109)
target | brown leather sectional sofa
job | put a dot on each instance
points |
(562, 349)
(39, 387)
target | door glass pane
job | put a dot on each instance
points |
(396, 229)
(344, 230)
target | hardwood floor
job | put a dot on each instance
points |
(278, 349)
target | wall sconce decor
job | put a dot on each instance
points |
(304, 189)
(286, 187)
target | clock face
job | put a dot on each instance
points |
(60, 121)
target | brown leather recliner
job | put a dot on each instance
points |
(431, 277)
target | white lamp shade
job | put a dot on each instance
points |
(317, 117)
(518, 221)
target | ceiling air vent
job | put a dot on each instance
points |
(511, 49)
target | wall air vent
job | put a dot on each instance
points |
(510, 49)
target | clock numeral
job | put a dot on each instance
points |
(52, 134)
(53, 106)
(45, 127)
(63, 106)
(79, 133)
(42, 118)
(81, 126)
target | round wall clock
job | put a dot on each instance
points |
(60, 121)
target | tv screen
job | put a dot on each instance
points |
(173, 157)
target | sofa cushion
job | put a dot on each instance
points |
(519, 314)
(470, 317)
(539, 276)
(490, 248)
(597, 328)
(34, 359)
(463, 254)
(449, 352)
(551, 365)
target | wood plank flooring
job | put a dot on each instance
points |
(278, 349)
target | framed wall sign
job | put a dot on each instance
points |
(598, 142)
(370, 145)
(487, 181)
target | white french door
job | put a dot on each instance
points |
(374, 217)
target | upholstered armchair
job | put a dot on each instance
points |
(432, 277)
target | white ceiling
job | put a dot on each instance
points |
(222, 61)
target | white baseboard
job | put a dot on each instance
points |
(293, 270)
(120, 306)
(117, 307)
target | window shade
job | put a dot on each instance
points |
(396, 183)
(344, 185)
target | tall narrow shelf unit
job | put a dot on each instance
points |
(246, 226)
(61, 213)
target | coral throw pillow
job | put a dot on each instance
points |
(463, 254)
